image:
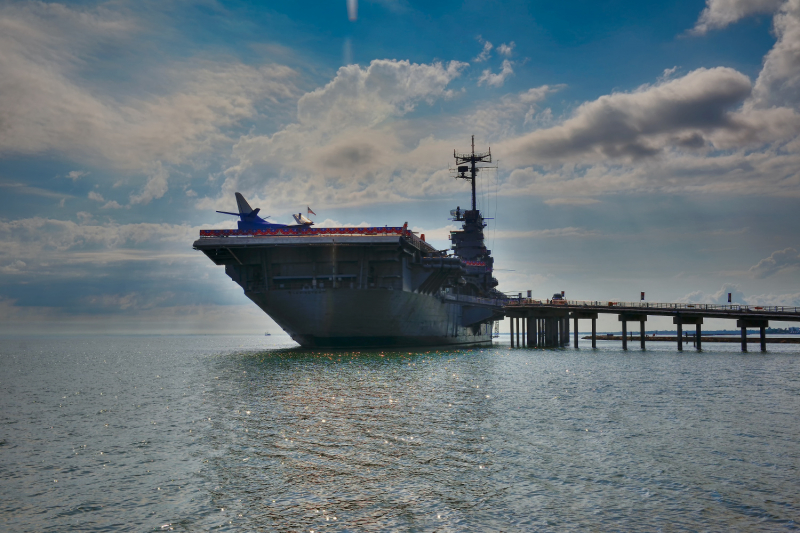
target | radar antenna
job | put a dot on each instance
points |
(471, 158)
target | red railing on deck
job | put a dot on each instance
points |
(306, 232)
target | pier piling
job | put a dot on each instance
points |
(624, 333)
(761, 324)
(641, 334)
(547, 325)
(698, 337)
(575, 324)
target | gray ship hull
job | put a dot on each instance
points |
(369, 318)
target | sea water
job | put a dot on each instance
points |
(252, 433)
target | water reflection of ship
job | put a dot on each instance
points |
(380, 286)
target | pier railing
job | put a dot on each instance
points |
(607, 304)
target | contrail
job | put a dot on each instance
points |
(352, 10)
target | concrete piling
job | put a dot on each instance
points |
(698, 337)
(548, 326)
(624, 333)
(641, 334)
(575, 324)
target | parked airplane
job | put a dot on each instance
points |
(249, 219)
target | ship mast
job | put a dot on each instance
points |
(473, 159)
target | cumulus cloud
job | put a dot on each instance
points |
(769, 172)
(778, 83)
(778, 261)
(330, 223)
(682, 112)
(507, 116)
(13, 267)
(48, 102)
(720, 13)
(96, 196)
(349, 143)
(156, 185)
(75, 175)
(485, 53)
(506, 49)
(30, 237)
(718, 298)
(777, 299)
(497, 80)
(738, 297)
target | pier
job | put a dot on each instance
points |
(546, 324)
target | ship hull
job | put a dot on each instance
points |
(340, 317)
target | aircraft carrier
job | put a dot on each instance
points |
(365, 287)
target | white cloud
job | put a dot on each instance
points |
(13, 267)
(350, 144)
(96, 196)
(48, 103)
(506, 49)
(330, 223)
(779, 299)
(41, 239)
(75, 175)
(779, 260)
(738, 297)
(497, 80)
(759, 173)
(156, 185)
(112, 204)
(720, 13)
(435, 234)
(485, 53)
(693, 113)
(719, 298)
(778, 84)
(21, 188)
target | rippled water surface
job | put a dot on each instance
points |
(248, 433)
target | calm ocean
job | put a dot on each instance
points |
(248, 433)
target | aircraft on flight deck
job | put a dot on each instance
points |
(249, 219)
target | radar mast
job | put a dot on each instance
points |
(472, 159)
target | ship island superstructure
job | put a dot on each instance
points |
(365, 287)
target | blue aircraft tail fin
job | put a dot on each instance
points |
(244, 207)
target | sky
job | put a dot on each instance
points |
(640, 146)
